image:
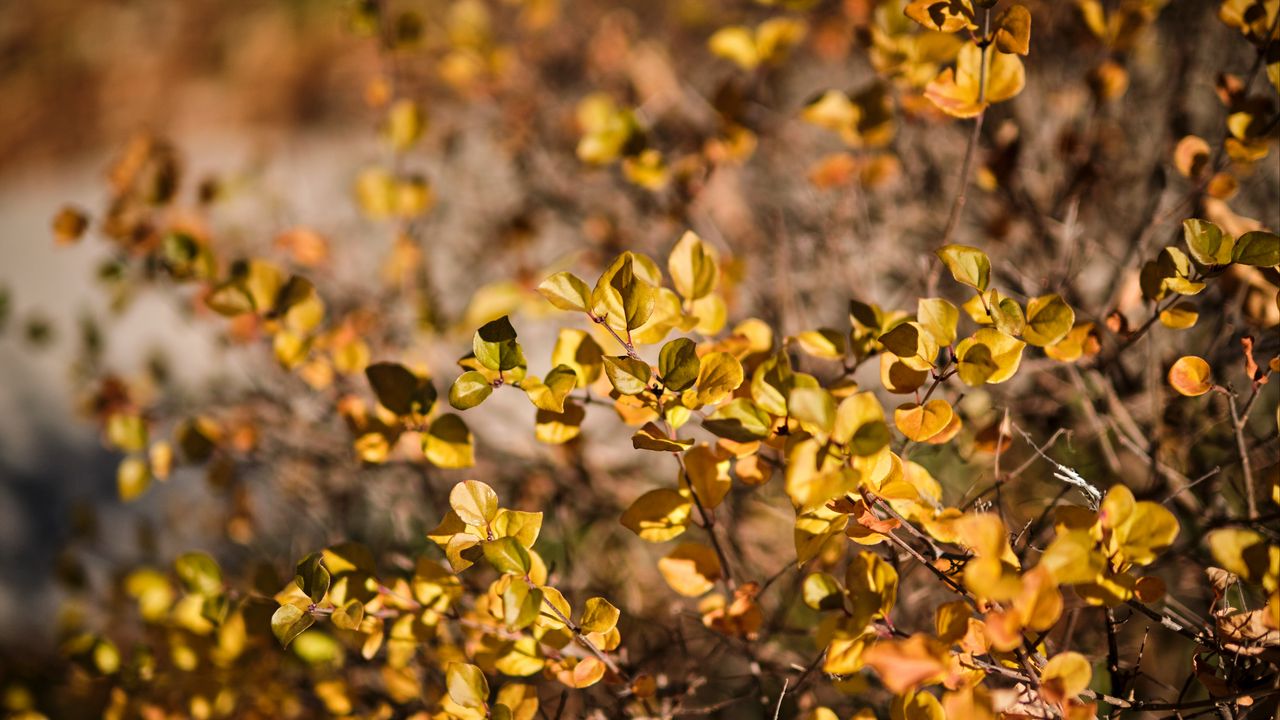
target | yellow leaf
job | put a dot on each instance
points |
(958, 93)
(814, 409)
(658, 515)
(814, 475)
(578, 350)
(915, 346)
(1065, 676)
(691, 569)
(1049, 319)
(133, 477)
(872, 585)
(968, 265)
(736, 43)
(1039, 605)
(474, 502)
(1013, 30)
(598, 616)
(652, 437)
(906, 664)
(939, 317)
(988, 356)
(921, 422)
(1073, 558)
(898, 377)
(1245, 553)
(860, 424)
(1191, 376)
(822, 343)
(1181, 316)
(566, 291)
(693, 267)
(555, 428)
(814, 528)
(448, 444)
(720, 374)
(946, 16)
(708, 473)
(1190, 156)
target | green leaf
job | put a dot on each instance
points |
(693, 267)
(968, 265)
(469, 390)
(1007, 314)
(910, 341)
(521, 525)
(1208, 243)
(199, 573)
(1049, 319)
(1258, 248)
(507, 555)
(467, 685)
(312, 577)
(622, 297)
(399, 389)
(566, 291)
(495, 346)
(290, 621)
(678, 364)
(629, 376)
(475, 502)
(348, 616)
(771, 383)
(520, 605)
(638, 296)
(740, 420)
(860, 424)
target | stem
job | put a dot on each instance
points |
(581, 637)
(1238, 422)
(957, 206)
(708, 524)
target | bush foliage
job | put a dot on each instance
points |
(959, 410)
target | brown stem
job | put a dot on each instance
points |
(1238, 422)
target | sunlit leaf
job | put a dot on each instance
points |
(1191, 376)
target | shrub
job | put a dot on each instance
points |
(1030, 474)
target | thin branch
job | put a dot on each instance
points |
(1238, 422)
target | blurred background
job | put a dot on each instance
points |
(262, 89)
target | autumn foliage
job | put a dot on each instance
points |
(960, 410)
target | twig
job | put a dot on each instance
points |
(1217, 469)
(708, 524)
(1066, 474)
(1238, 422)
(778, 710)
